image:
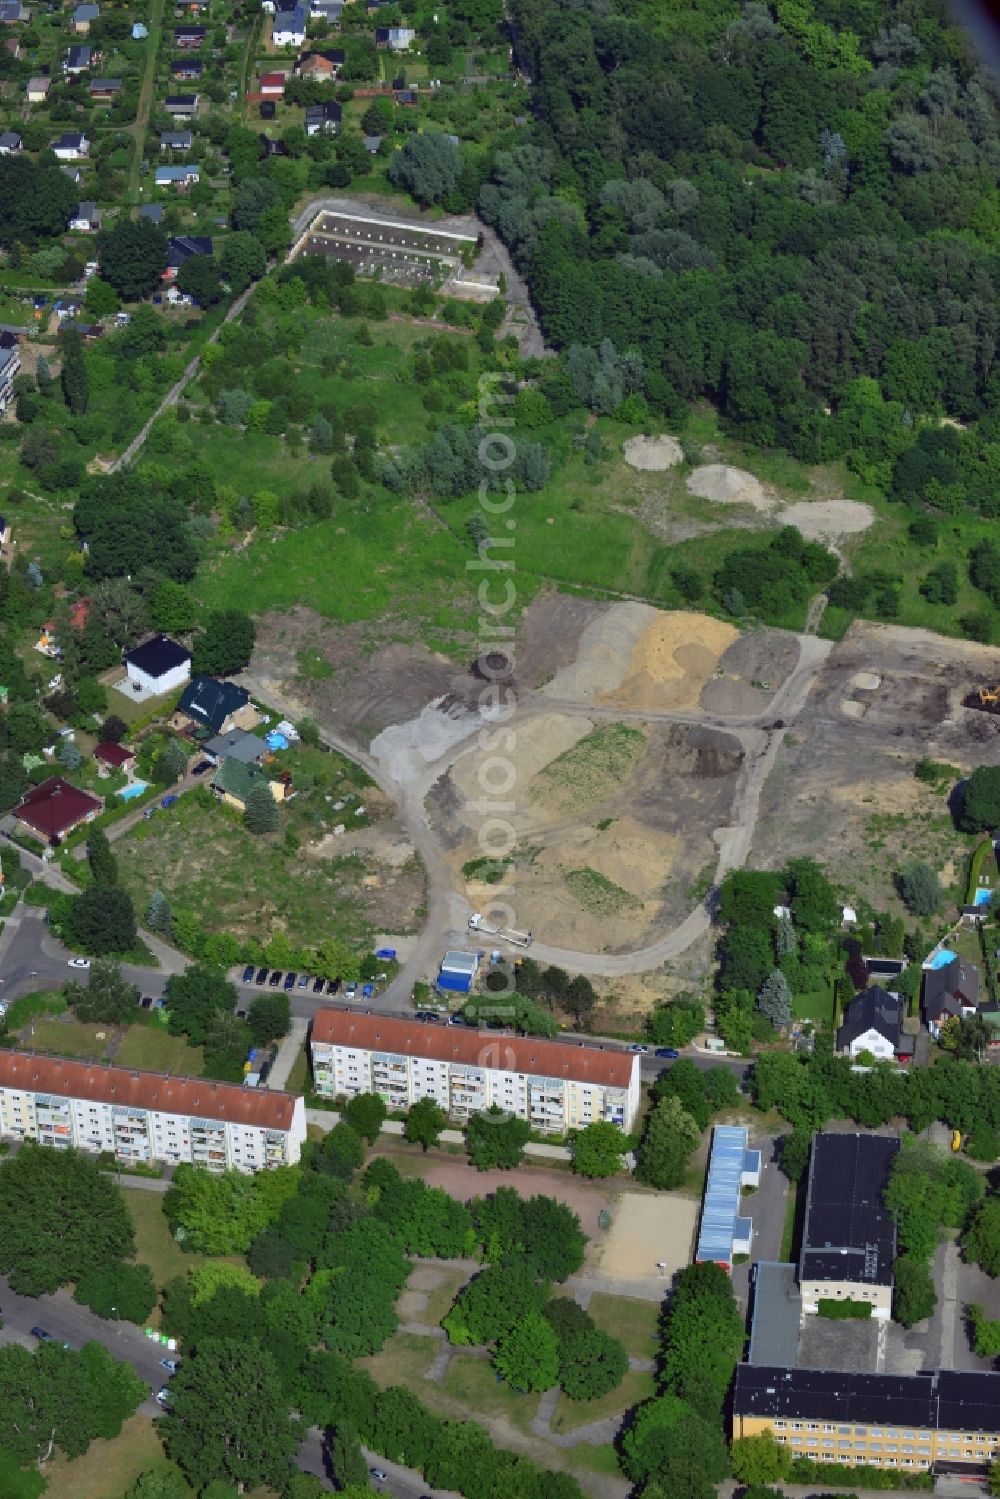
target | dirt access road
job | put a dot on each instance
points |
(760, 734)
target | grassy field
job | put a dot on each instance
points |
(470, 1390)
(200, 857)
(597, 894)
(70, 1038)
(570, 1415)
(817, 1007)
(153, 1046)
(108, 1469)
(592, 769)
(154, 1245)
(633, 1322)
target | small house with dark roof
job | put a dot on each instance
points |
(78, 60)
(111, 756)
(186, 67)
(153, 212)
(873, 1022)
(10, 142)
(215, 705)
(189, 38)
(54, 809)
(105, 88)
(182, 247)
(950, 992)
(234, 780)
(157, 666)
(323, 117)
(236, 745)
(181, 106)
(85, 12)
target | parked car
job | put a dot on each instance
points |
(261, 976)
(378, 1474)
(319, 985)
(635, 1046)
(241, 1014)
(351, 991)
(333, 987)
(163, 1396)
(79, 963)
(275, 979)
(201, 767)
(289, 981)
(161, 1003)
(248, 974)
(41, 1334)
(168, 801)
(147, 1002)
(173, 1364)
(303, 980)
(429, 1017)
(666, 1051)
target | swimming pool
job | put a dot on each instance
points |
(981, 897)
(136, 789)
(942, 959)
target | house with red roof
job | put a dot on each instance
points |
(54, 809)
(114, 756)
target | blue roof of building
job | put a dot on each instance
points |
(721, 1206)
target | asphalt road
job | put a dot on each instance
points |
(64, 1319)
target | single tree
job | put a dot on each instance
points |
(366, 1113)
(262, 814)
(74, 377)
(671, 1135)
(118, 1290)
(598, 1149)
(920, 888)
(159, 916)
(228, 1417)
(913, 1297)
(69, 756)
(268, 1017)
(102, 920)
(759, 1459)
(102, 862)
(528, 1356)
(225, 645)
(424, 1123)
(980, 801)
(496, 1139)
(106, 997)
(774, 999)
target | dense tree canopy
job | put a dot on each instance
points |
(133, 257)
(36, 200)
(60, 1218)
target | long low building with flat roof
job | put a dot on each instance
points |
(148, 1116)
(946, 1420)
(555, 1085)
(732, 1166)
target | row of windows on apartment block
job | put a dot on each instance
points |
(877, 1433)
(249, 1132)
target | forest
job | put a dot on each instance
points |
(790, 210)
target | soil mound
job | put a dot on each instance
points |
(728, 486)
(672, 660)
(827, 520)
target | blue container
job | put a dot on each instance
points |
(388, 953)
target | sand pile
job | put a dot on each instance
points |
(653, 454)
(604, 654)
(728, 486)
(827, 520)
(672, 660)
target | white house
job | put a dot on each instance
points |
(156, 667)
(873, 1023)
(554, 1085)
(289, 27)
(71, 146)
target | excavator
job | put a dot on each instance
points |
(988, 695)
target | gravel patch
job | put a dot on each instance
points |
(827, 520)
(653, 454)
(728, 486)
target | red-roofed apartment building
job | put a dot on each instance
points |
(53, 809)
(556, 1085)
(148, 1116)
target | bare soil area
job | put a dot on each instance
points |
(649, 1230)
(750, 671)
(653, 454)
(614, 823)
(729, 486)
(828, 520)
(843, 787)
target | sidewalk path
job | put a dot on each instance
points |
(288, 1053)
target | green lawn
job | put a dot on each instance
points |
(633, 1322)
(153, 1047)
(572, 1414)
(473, 1384)
(154, 1245)
(816, 1006)
(69, 1038)
(108, 1468)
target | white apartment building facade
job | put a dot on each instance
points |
(555, 1085)
(148, 1116)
